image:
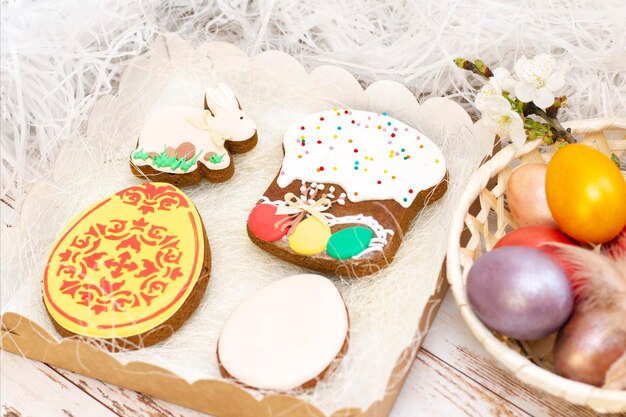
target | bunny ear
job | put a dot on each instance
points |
(229, 95)
(206, 106)
(212, 100)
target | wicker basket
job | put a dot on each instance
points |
(531, 363)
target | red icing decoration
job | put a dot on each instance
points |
(111, 293)
(262, 220)
(148, 198)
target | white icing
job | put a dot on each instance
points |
(379, 155)
(285, 334)
(205, 129)
(169, 127)
(228, 118)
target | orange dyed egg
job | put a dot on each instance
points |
(586, 194)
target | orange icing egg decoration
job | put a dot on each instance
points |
(132, 266)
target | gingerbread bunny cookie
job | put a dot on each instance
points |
(350, 184)
(181, 144)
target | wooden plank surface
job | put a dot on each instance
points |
(126, 402)
(452, 376)
(453, 343)
(30, 388)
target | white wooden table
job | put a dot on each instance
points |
(452, 376)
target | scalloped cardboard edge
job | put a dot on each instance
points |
(221, 397)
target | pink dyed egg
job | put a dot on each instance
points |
(526, 195)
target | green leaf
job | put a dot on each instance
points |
(141, 154)
(216, 159)
(185, 165)
(162, 161)
(615, 160)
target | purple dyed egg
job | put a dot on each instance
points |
(520, 292)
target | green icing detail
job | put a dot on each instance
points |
(163, 161)
(349, 242)
(216, 159)
(141, 154)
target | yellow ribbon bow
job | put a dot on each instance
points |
(294, 204)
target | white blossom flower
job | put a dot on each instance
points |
(505, 80)
(499, 118)
(501, 81)
(538, 79)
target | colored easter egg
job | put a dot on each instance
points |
(310, 237)
(539, 237)
(586, 194)
(520, 292)
(285, 335)
(349, 242)
(124, 267)
(587, 346)
(526, 195)
(262, 222)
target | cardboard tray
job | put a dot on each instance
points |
(218, 398)
(221, 397)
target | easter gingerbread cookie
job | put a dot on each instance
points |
(350, 184)
(129, 270)
(288, 335)
(182, 144)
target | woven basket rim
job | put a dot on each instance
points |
(599, 399)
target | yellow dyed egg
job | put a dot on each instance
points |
(310, 237)
(127, 265)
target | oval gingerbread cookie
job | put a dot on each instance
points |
(350, 184)
(130, 269)
(182, 144)
(287, 335)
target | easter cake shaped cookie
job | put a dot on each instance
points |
(130, 269)
(350, 184)
(182, 144)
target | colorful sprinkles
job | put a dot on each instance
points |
(362, 163)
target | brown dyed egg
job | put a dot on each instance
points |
(587, 346)
(526, 194)
(186, 150)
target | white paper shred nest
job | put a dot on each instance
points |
(58, 57)
(274, 89)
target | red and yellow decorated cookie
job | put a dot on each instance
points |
(130, 268)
